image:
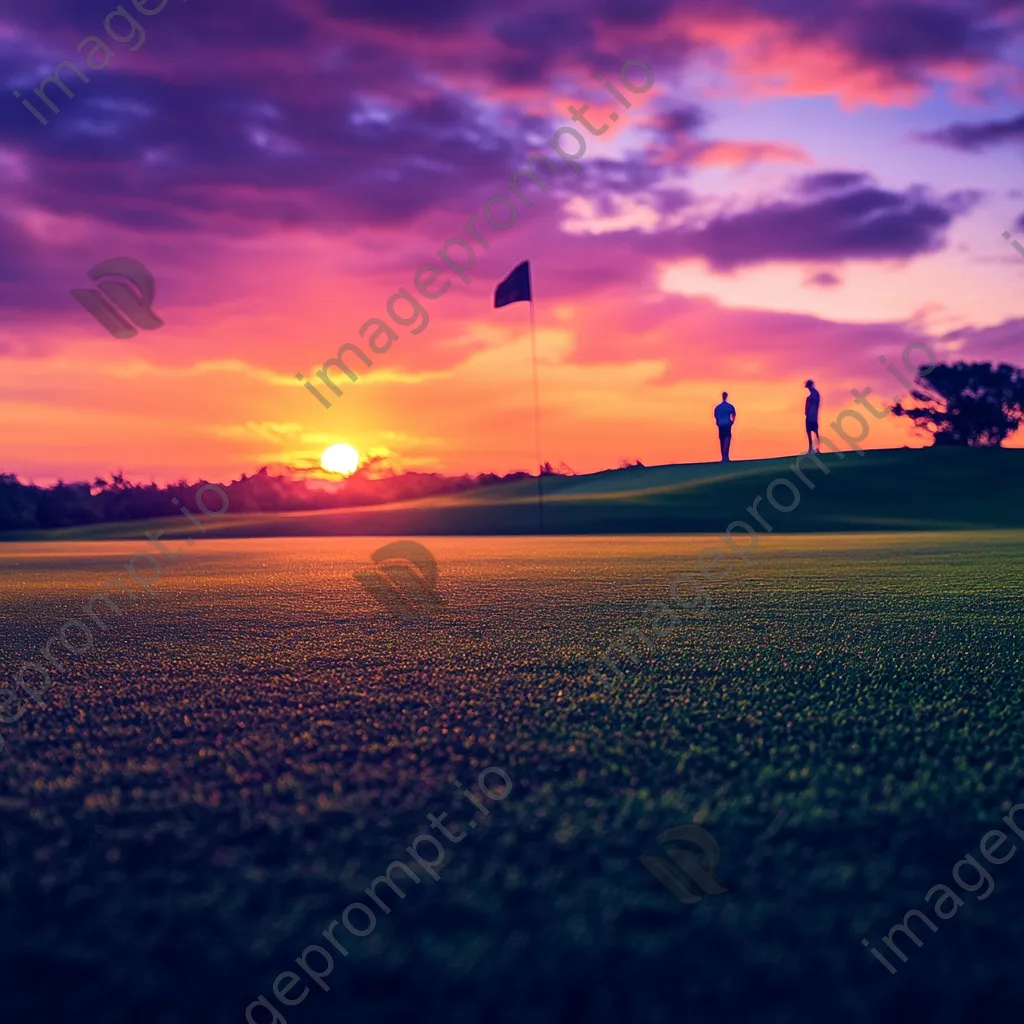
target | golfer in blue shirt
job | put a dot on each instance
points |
(725, 417)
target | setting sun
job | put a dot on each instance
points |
(340, 458)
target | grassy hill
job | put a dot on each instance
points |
(888, 489)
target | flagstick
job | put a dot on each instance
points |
(536, 411)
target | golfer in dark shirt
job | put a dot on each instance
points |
(811, 415)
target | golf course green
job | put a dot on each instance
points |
(888, 489)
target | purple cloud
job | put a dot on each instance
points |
(824, 279)
(971, 138)
(848, 217)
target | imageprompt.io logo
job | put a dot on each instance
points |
(121, 307)
(405, 581)
(686, 878)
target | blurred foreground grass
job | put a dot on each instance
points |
(866, 686)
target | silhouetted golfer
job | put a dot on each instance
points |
(725, 417)
(811, 415)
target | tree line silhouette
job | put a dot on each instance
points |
(30, 507)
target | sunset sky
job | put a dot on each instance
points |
(807, 185)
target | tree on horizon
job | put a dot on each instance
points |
(974, 404)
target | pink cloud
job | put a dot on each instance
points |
(742, 154)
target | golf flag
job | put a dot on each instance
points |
(515, 287)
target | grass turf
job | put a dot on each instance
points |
(864, 687)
